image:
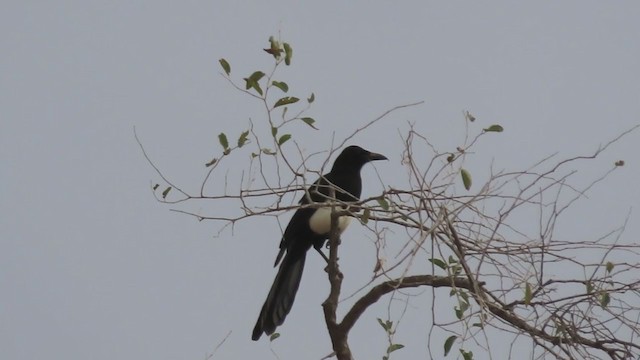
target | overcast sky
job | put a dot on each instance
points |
(92, 267)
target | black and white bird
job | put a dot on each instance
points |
(310, 227)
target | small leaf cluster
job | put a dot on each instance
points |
(165, 192)
(259, 84)
(601, 294)
(466, 355)
(387, 325)
(463, 302)
(452, 265)
(465, 175)
(243, 139)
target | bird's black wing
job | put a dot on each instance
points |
(282, 293)
(296, 241)
(298, 231)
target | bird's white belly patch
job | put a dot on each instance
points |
(320, 221)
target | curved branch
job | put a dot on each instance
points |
(388, 286)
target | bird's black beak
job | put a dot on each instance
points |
(375, 156)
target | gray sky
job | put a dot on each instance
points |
(92, 267)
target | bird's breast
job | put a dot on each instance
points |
(320, 221)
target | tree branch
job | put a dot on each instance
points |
(388, 286)
(336, 332)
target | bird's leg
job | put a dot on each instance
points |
(327, 245)
(318, 247)
(319, 250)
(326, 258)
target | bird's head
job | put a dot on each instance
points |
(354, 157)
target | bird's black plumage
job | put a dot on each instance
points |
(306, 230)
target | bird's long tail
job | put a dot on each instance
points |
(282, 294)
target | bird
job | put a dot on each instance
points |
(310, 227)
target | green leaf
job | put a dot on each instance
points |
(464, 306)
(459, 313)
(252, 81)
(457, 270)
(589, 286)
(386, 325)
(243, 138)
(494, 128)
(365, 216)
(394, 347)
(452, 260)
(166, 192)
(466, 355)
(609, 266)
(274, 131)
(274, 336)
(281, 85)
(448, 344)
(528, 294)
(288, 53)
(223, 141)
(466, 178)
(383, 203)
(460, 310)
(257, 87)
(248, 83)
(286, 101)
(155, 186)
(268, 151)
(605, 299)
(225, 66)
(309, 121)
(212, 162)
(256, 76)
(439, 263)
(311, 98)
(283, 139)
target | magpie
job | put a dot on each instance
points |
(310, 227)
